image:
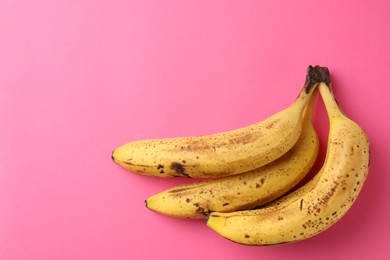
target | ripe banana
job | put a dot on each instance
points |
(246, 190)
(220, 154)
(318, 204)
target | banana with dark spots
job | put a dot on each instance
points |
(221, 154)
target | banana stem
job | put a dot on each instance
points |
(314, 76)
(329, 100)
(308, 112)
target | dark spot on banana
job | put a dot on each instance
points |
(225, 204)
(247, 236)
(178, 190)
(200, 210)
(179, 169)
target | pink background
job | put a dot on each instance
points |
(79, 78)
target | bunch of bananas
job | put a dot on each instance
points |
(249, 197)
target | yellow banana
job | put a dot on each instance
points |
(220, 154)
(246, 190)
(316, 205)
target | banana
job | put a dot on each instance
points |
(220, 154)
(247, 190)
(319, 203)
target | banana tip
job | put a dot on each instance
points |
(112, 155)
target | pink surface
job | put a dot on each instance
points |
(79, 78)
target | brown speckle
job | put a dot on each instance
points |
(245, 139)
(272, 124)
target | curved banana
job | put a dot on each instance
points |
(316, 205)
(220, 154)
(246, 190)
